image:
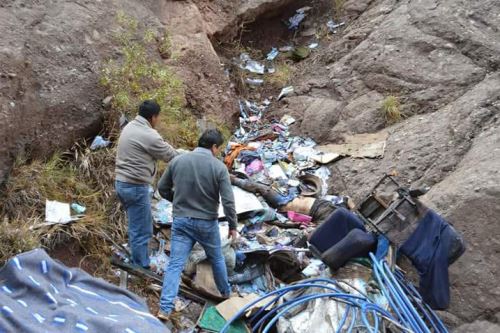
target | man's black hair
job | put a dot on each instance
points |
(148, 109)
(211, 137)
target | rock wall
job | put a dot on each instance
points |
(441, 59)
(51, 52)
(50, 56)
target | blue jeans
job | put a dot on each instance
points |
(186, 232)
(136, 199)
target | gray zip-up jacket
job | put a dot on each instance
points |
(139, 147)
(194, 182)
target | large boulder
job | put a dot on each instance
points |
(50, 57)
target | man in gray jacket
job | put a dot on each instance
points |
(194, 182)
(139, 147)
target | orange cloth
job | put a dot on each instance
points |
(235, 151)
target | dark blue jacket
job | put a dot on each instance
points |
(428, 248)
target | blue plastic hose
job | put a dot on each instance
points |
(400, 295)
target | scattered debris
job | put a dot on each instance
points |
(99, 142)
(325, 158)
(159, 258)
(251, 65)
(212, 321)
(272, 54)
(286, 48)
(244, 202)
(332, 26)
(297, 217)
(162, 212)
(230, 307)
(77, 208)
(294, 21)
(254, 82)
(302, 252)
(287, 120)
(285, 92)
(57, 212)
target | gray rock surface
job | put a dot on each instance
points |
(441, 59)
(478, 326)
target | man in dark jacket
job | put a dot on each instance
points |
(194, 182)
(139, 147)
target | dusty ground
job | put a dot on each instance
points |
(439, 58)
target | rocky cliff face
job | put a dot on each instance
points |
(439, 58)
(50, 56)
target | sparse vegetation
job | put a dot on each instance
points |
(86, 176)
(165, 45)
(83, 176)
(281, 77)
(391, 109)
(338, 8)
(15, 238)
(141, 75)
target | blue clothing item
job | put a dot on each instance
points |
(136, 199)
(428, 248)
(186, 232)
(335, 228)
(281, 200)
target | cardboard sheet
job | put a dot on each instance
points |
(370, 145)
(230, 307)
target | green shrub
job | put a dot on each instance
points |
(141, 75)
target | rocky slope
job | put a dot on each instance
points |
(440, 58)
(50, 57)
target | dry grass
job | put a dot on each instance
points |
(81, 176)
(16, 237)
(282, 76)
(391, 109)
(338, 8)
(86, 176)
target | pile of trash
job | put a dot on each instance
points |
(307, 258)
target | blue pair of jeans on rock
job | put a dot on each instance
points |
(136, 199)
(186, 232)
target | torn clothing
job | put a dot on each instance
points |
(139, 147)
(194, 182)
